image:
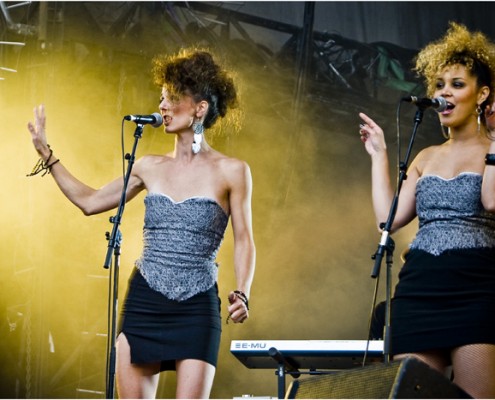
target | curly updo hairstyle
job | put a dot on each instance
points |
(459, 46)
(195, 73)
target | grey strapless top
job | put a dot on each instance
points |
(181, 241)
(451, 215)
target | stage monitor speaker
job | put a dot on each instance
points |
(408, 378)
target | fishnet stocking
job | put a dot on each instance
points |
(435, 359)
(474, 369)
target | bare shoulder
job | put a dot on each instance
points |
(148, 161)
(233, 168)
(427, 157)
(148, 167)
(152, 159)
(429, 153)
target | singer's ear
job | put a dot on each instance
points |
(201, 108)
(483, 94)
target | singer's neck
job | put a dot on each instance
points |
(183, 147)
(467, 133)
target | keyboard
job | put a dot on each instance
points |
(307, 354)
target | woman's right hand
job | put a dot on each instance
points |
(38, 135)
(371, 135)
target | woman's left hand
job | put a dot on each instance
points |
(238, 310)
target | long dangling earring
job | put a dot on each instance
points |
(479, 111)
(445, 132)
(199, 130)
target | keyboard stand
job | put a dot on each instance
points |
(284, 367)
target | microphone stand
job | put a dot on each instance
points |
(114, 242)
(387, 245)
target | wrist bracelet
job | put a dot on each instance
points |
(43, 166)
(49, 156)
(241, 295)
(490, 159)
(49, 167)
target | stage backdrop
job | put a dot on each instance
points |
(89, 63)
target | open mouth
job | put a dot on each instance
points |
(449, 108)
(167, 119)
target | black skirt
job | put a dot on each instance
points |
(445, 301)
(162, 330)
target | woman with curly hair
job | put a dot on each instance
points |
(170, 319)
(442, 310)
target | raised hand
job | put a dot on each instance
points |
(38, 134)
(371, 135)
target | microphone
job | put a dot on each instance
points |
(439, 104)
(154, 119)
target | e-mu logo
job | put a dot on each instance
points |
(251, 345)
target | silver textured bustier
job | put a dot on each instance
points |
(451, 215)
(181, 241)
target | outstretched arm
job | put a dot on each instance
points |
(89, 200)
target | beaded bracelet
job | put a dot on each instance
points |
(241, 295)
(490, 159)
(43, 165)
